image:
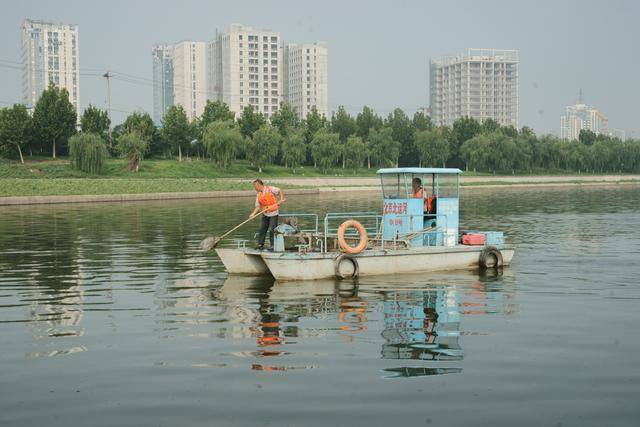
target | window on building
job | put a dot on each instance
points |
(265, 92)
(239, 36)
(274, 39)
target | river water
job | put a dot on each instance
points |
(110, 316)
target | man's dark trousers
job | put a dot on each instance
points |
(267, 223)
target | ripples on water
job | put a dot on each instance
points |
(110, 316)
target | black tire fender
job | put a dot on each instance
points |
(490, 257)
(346, 258)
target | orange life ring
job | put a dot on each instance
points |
(343, 243)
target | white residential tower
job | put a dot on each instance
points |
(581, 116)
(246, 68)
(306, 77)
(190, 77)
(50, 53)
(480, 83)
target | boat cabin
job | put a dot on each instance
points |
(421, 205)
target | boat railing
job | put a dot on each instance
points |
(308, 222)
(370, 221)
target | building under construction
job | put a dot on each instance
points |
(480, 83)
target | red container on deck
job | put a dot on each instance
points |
(473, 239)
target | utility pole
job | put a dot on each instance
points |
(108, 76)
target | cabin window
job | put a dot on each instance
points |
(393, 186)
(448, 185)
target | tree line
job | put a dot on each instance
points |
(342, 141)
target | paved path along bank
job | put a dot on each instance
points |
(349, 184)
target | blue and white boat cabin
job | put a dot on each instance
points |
(421, 202)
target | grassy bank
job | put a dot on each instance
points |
(87, 186)
(164, 168)
(45, 177)
(42, 168)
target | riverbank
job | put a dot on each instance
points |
(17, 191)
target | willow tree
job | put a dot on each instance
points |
(432, 146)
(383, 149)
(263, 146)
(294, 149)
(221, 140)
(326, 149)
(133, 147)
(354, 152)
(88, 152)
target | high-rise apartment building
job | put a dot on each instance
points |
(480, 83)
(581, 116)
(246, 68)
(618, 133)
(306, 77)
(190, 77)
(50, 53)
(162, 56)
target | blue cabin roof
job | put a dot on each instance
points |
(418, 171)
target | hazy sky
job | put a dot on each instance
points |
(378, 51)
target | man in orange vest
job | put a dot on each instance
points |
(420, 193)
(267, 201)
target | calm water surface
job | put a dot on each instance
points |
(110, 316)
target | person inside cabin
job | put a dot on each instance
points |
(267, 202)
(429, 201)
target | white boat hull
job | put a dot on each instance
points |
(286, 266)
(242, 261)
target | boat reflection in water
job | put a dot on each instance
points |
(422, 325)
(418, 319)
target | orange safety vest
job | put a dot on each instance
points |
(428, 200)
(268, 200)
(429, 204)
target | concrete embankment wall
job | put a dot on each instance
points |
(37, 200)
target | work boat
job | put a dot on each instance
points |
(416, 232)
